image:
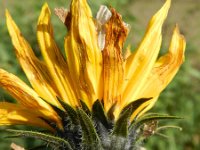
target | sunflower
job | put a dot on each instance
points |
(98, 95)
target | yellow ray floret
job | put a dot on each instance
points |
(53, 58)
(113, 63)
(94, 68)
(35, 70)
(20, 91)
(164, 69)
(13, 114)
(26, 96)
(139, 65)
(83, 54)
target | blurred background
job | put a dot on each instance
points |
(182, 96)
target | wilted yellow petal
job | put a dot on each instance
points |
(139, 64)
(53, 57)
(35, 70)
(13, 114)
(83, 54)
(113, 69)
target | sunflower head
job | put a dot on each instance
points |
(98, 95)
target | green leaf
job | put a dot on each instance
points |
(90, 137)
(53, 141)
(99, 114)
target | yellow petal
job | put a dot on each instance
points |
(166, 67)
(127, 52)
(13, 114)
(26, 96)
(20, 91)
(35, 70)
(139, 65)
(164, 70)
(143, 108)
(53, 57)
(83, 54)
(113, 69)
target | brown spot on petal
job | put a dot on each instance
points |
(113, 69)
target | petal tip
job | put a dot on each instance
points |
(8, 16)
(45, 9)
(45, 6)
(177, 31)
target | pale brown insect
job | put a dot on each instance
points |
(150, 128)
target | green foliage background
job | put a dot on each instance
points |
(182, 96)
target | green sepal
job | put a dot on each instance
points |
(90, 139)
(99, 113)
(136, 104)
(60, 112)
(70, 111)
(53, 141)
(85, 108)
(110, 112)
(121, 125)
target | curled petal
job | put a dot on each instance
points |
(164, 69)
(139, 64)
(83, 54)
(54, 59)
(35, 70)
(113, 69)
(13, 114)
